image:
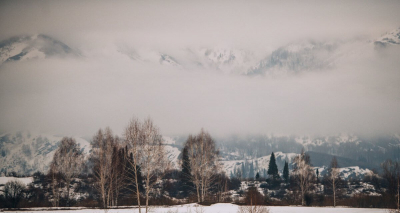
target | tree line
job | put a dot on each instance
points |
(134, 170)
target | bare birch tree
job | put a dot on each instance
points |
(334, 177)
(145, 145)
(203, 158)
(55, 185)
(303, 173)
(154, 162)
(67, 161)
(134, 143)
(107, 163)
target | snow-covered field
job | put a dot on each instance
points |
(218, 208)
(26, 180)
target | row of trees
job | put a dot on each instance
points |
(134, 163)
(131, 168)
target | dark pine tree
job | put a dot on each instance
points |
(187, 185)
(243, 171)
(286, 172)
(257, 176)
(272, 167)
(251, 172)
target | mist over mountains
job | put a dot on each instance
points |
(278, 84)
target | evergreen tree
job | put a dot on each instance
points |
(286, 172)
(186, 176)
(251, 172)
(243, 171)
(264, 173)
(317, 175)
(272, 167)
(257, 176)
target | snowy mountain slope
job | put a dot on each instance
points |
(336, 139)
(388, 39)
(263, 162)
(143, 55)
(303, 56)
(226, 60)
(230, 166)
(26, 152)
(345, 172)
(40, 46)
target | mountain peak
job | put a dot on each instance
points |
(38, 46)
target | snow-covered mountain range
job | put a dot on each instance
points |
(296, 57)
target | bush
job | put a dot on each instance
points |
(253, 197)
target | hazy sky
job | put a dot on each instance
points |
(103, 87)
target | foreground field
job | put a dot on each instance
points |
(216, 208)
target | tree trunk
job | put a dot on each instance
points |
(137, 190)
(198, 193)
(147, 200)
(68, 182)
(302, 195)
(334, 194)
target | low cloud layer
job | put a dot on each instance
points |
(75, 96)
(104, 87)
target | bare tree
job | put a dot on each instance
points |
(391, 172)
(221, 186)
(203, 158)
(14, 191)
(55, 185)
(303, 173)
(334, 177)
(145, 145)
(134, 143)
(153, 162)
(107, 166)
(67, 161)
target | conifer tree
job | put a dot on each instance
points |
(243, 171)
(251, 172)
(186, 177)
(286, 172)
(272, 167)
(257, 176)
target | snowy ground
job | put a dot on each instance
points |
(218, 208)
(26, 180)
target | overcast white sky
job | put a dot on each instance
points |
(102, 88)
